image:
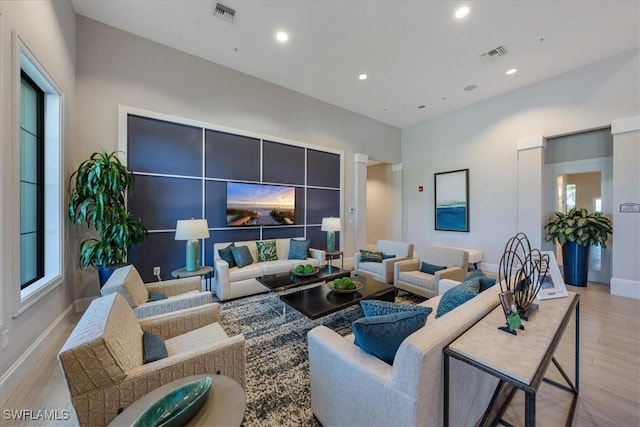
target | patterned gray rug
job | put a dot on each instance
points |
(277, 359)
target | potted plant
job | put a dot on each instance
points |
(576, 231)
(97, 198)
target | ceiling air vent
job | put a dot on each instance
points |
(224, 12)
(494, 54)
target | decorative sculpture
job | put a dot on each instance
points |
(522, 271)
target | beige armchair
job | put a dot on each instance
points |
(383, 271)
(102, 361)
(407, 274)
(180, 293)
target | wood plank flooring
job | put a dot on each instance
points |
(609, 380)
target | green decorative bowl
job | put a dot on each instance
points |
(314, 271)
(356, 287)
(176, 407)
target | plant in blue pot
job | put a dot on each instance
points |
(97, 191)
(576, 231)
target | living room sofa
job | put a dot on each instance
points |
(235, 282)
(350, 387)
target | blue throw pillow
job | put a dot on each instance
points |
(227, 255)
(156, 296)
(430, 268)
(372, 307)
(485, 282)
(458, 295)
(388, 256)
(242, 256)
(298, 249)
(153, 347)
(381, 336)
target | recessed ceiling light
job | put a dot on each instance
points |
(282, 36)
(511, 71)
(470, 87)
(461, 12)
(362, 77)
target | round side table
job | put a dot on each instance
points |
(205, 271)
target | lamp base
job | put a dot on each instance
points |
(193, 255)
(331, 241)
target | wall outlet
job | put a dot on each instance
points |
(156, 271)
(5, 339)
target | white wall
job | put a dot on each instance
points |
(483, 138)
(115, 67)
(379, 203)
(48, 29)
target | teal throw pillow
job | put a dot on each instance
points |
(388, 256)
(430, 268)
(156, 296)
(153, 348)
(226, 255)
(299, 249)
(458, 295)
(370, 256)
(485, 282)
(267, 250)
(372, 307)
(381, 336)
(242, 256)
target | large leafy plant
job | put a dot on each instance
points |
(580, 226)
(97, 198)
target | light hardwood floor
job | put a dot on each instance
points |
(609, 367)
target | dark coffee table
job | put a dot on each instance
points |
(281, 281)
(320, 300)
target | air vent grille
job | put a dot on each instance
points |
(224, 12)
(494, 54)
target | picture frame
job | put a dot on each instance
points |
(553, 285)
(451, 200)
(508, 303)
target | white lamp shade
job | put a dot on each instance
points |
(192, 229)
(331, 224)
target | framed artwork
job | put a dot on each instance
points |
(452, 200)
(552, 283)
(510, 312)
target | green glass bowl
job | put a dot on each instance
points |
(176, 407)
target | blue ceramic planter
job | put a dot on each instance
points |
(575, 263)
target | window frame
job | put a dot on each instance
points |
(54, 226)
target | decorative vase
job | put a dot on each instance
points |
(104, 273)
(575, 263)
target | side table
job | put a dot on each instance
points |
(225, 404)
(205, 272)
(334, 255)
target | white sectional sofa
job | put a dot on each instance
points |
(350, 387)
(237, 282)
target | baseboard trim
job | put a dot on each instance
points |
(625, 288)
(19, 370)
(82, 304)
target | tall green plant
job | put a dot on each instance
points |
(580, 226)
(97, 198)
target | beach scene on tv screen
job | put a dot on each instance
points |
(260, 204)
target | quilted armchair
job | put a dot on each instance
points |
(407, 274)
(102, 361)
(180, 293)
(383, 271)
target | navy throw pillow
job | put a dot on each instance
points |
(153, 347)
(227, 255)
(387, 256)
(372, 307)
(458, 295)
(430, 268)
(298, 249)
(381, 336)
(242, 256)
(156, 296)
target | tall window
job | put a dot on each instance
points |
(31, 181)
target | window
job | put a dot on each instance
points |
(39, 223)
(31, 181)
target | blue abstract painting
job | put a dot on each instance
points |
(452, 200)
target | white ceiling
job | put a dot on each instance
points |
(414, 52)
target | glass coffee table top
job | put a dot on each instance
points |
(282, 281)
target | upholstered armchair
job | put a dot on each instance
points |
(180, 293)
(422, 279)
(102, 361)
(383, 270)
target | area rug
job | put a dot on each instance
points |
(278, 388)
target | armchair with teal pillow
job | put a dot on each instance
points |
(377, 264)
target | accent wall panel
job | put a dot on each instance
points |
(323, 169)
(215, 207)
(158, 249)
(282, 163)
(157, 146)
(231, 156)
(322, 203)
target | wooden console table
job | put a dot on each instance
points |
(517, 360)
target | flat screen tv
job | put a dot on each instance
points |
(260, 204)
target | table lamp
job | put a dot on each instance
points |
(192, 230)
(331, 225)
